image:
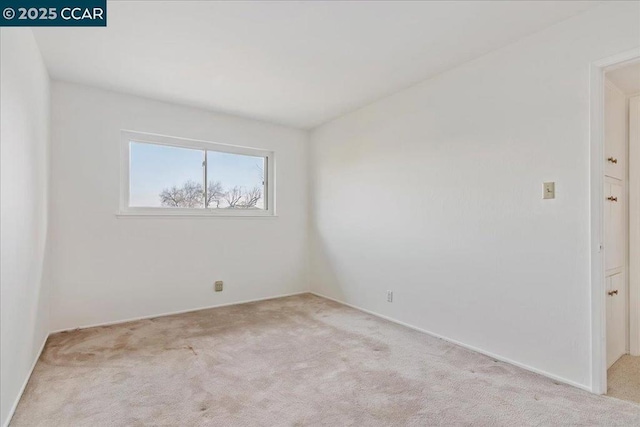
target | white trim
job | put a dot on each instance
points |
(141, 213)
(127, 136)
(596, 136)
(461, 344)
(613, 86)
(634, 225)
(26, 381)
(195, 144)
(172, 313)
(193, 213)
(596, 242)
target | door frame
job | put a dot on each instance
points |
(597, 168)
(634, 226)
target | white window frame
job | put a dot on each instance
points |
(125, 163)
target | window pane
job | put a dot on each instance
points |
(235, 181)
(165, 176)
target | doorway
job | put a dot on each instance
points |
(621, 218)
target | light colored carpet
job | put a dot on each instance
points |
(623, 379)
(300, 360)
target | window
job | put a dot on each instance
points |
(171, 176)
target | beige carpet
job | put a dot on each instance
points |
(623, 379)
(301, 360)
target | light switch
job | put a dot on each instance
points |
(549, 190)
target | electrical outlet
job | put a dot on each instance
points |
(389, 296)
(218, 286)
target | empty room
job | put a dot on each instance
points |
(306, 213)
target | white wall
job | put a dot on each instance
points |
(109, 269)
(24, 136)
(436, 193)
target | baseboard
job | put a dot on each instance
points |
(190, 310)
(24, 385)
(461, 344)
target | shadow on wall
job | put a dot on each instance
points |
(323, 276)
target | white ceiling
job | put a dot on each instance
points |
(627, 79)
(293, 63)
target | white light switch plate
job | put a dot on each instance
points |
(549, 190)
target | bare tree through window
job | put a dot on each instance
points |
(191, 195)
(215, 193)
(233, 196)
(251, 197)
(190, 177)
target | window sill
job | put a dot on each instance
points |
(183, 215)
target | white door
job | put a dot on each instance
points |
(614, 219)
(615, 129)
(615, 222)
(616, 318)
